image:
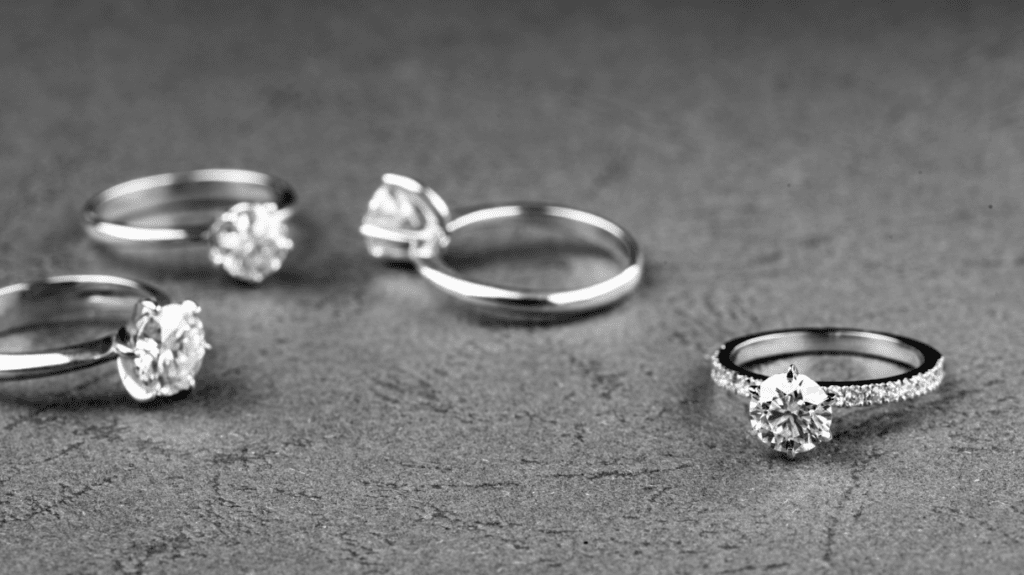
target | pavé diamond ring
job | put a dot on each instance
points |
(158, 351)
(791, 412)
(240, 215)
(408, 222)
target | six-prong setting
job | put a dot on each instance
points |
(790, 412)
(161, 349)
(250, 240)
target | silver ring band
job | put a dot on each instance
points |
(925, 365)
(535, 302)
(35, 303)
(239, 214)
(407, 221)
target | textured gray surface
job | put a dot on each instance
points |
(782, 166)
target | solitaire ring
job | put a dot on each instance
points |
(408, 222)
(239, 215)
(159, 350)
(791, 412)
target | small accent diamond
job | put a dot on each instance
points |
(168, 345)
(843, 395)
(791, 412)
(250, 241)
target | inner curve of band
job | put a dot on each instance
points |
(58, 301)
(625, 247)
(773, 346)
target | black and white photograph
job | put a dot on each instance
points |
(530, 287)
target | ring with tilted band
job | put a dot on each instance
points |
(409, 222)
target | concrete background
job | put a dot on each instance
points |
(782, 165)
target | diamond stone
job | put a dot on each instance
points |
(791, 412)
(168, 347)
(250, 241)
(404, 217)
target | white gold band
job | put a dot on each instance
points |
(409, 222)
(925, 373)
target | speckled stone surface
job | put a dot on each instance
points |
(782, 166)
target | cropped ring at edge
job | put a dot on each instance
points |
(159, 350)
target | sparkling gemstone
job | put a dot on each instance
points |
(791, 412)
(250, 241)
(169, 346)
(403, 215)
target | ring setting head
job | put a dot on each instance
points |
(404, 220)
(790, 412)
(161, 349)
(250, 240)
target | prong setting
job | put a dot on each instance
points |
(405, 220)
(161, 350)
(791, 413)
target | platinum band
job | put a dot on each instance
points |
(409, 222)
(37, 303)
(106, 215)
(924, 364)
(534, 302)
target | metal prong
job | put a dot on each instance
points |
(792, 373)
(754, 391)
(145, 307)
(122, 349)
(123, 343)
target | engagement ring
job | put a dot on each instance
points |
(159, 350)
(791, 412)
(408, 222)
(240, 216)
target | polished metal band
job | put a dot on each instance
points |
(409, 222)
(923, 363)
(46, 302)
(536, 302)
(107, 216)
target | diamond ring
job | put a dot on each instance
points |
(159, 350)
(239, 215)
(408, 222)
(791, 412)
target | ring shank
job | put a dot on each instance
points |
(43, 303)
(534, 304)
(817, 342)
(923, 365)
(108, 216)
